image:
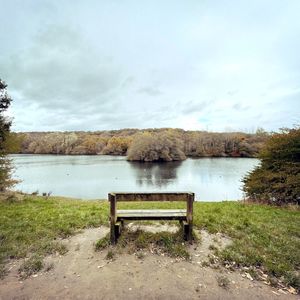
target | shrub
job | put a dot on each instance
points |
(5, 123)
(277, 179)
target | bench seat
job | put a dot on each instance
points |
(118, 217)
(151, 214)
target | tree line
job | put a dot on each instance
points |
(163, 144)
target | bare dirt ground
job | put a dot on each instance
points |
(83, 273)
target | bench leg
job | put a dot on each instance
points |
(113, 237)
(190, 233)
(187, 231)
(115, 231)
(122, 225)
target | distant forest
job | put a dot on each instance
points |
(142, 145)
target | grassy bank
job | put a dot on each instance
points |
(263, 237)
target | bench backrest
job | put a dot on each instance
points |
(124, 197)
(188, 197)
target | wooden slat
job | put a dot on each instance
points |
(151, 211)
(151, 217)
(179, 196)
(158, 214)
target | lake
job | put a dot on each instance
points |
(92, 177)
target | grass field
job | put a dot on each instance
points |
(263, 236)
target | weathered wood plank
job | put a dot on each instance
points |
(180, 196)
(113, 235)
(189, 216)
(150, 211)
(151, 217)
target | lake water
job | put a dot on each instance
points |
(92, 177)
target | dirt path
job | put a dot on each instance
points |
(85, 274)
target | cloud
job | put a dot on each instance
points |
(150, 91)
(108, 65)
(60, 69)
(240, 107)
(195, 107)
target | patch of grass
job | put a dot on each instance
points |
(34, 225)
(223, 281)
(212, 247)
(102, 243)
(205, 264)
(31, 266)
(49, 267)
(262, 236)
(140, 255)
(168, 243)
(110, 255)
(253, 273)
(3, 271)
(292, 279)
(11, 199)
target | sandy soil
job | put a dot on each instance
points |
(85, 274)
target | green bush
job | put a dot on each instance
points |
(277, 179)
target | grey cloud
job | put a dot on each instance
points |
(191, 107)
(114, 64)
(232, 92)
(61, 71)
(240, 107)
(128, 81)
(150, 91)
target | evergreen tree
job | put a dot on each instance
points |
(5, 123)
(277, 179)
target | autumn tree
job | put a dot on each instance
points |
(162, 146)
(117, 145)
(5, 123)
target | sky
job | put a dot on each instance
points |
(198, 65)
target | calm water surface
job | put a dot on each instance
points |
(91, 177)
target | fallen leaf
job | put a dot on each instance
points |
(276, 293)
(292, 290)
(282, 291)
(249, 276)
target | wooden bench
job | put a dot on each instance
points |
(117, 217)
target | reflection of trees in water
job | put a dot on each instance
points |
(155, 174)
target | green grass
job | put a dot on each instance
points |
(263, 237)
(31, 266)
(223, 281)
(171, 244)
(33, 226)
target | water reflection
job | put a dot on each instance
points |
(155, 174)
(92, 177)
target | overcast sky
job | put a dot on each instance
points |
(97, 65)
